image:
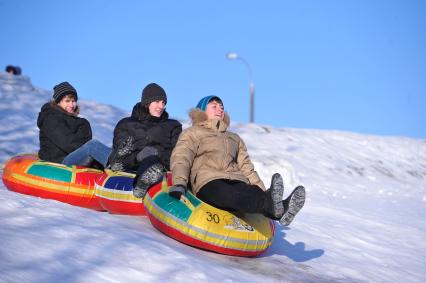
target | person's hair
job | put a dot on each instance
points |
(10, 69)
(70, 95)
(216, 99)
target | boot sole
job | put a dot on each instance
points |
(277, 195)
(297, 200)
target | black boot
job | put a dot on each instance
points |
(274, 198)
(147, 179)
(292, 205)
(86, 162)
(124, 149)
(97, 165)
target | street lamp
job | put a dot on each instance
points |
(234, 56)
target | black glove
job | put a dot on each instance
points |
(145, 152)
(177, 191)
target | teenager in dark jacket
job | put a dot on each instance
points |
(65, 137)
(216, 165)
(144, 141)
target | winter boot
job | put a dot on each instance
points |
(90, 162)
(124, 149)
(292, 205)
(274, 197)
(147, 179)
(86, 162)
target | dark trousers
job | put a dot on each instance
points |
(235, 196)
(146, 163)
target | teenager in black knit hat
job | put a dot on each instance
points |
(63, 89)
(65, 137)
(153, 92)
(144, 141)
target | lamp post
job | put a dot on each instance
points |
(234, 56)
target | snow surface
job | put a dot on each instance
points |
(363, 221)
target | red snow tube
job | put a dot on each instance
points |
(26, 174)
(114, 191)
(76, 185)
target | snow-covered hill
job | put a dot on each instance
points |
(364, 219)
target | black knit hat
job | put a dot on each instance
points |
(62, 89)
(153, 92)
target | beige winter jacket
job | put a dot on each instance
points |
(207, 151)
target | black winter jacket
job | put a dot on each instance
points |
(161, 133)
(60, 133)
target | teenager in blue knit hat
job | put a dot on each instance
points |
(215, 164)
(65, 137)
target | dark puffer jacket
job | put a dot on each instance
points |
(60, 132)
(161, 133)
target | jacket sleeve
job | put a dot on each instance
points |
(247, 167)
(65, 138)
(183, 157)
(174, 135)
(121, 133)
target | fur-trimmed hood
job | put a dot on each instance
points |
(199, 118)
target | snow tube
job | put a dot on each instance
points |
(75, 185)
(188, 220)
(114, 191)
(198, 224)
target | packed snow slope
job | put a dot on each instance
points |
(363, 221)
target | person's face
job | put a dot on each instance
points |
(214, 110)
(68, 103)
(156, 108)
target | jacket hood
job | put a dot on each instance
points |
(199, 118)
(51, 108)
(140, 112)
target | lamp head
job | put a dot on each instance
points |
(232, 56)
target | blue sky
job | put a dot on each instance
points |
(355, 65)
